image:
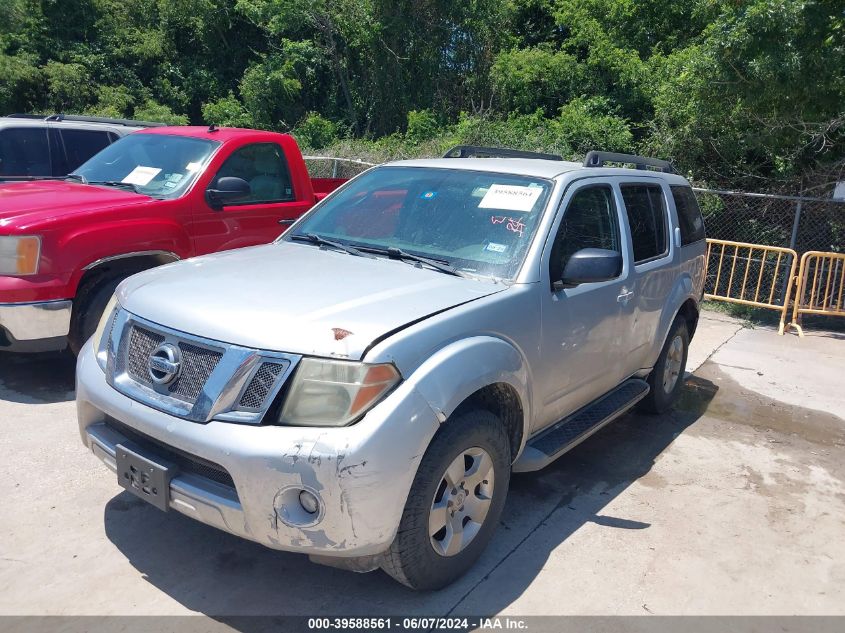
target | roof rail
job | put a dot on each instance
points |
(598, 159)
(475, 151)
(87, 119)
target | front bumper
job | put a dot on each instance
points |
(39, 326)
(361, 474)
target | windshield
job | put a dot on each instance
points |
(478, 222)
(159, 165)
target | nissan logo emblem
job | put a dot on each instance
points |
(165, 364)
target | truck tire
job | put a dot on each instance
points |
(667, 378)
(454, 504)
(88, 309)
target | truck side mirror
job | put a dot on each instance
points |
(228, 189)
(590, 265)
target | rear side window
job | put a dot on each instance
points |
(80, 145)
(689, 215)
(24, 152)
(646, 211)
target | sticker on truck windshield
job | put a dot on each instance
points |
(141, 175)
(496, 248)
(510, 198)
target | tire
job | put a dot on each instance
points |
(416, 558)
(667, 378)
(88, 308)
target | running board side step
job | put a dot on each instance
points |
(550, 444)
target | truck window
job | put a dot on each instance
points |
(24, 152)
(80, 145)
(264, 167)
(590, 221)
(646, 211)
(689, 215)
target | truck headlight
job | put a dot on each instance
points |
(19, 255)
(335, 393)
(102, 333)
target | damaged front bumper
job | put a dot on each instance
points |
(247, 479)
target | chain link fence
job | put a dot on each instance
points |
(802, 224)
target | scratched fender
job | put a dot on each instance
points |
(461, 368)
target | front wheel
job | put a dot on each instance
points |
(454, 504)
(667, 378)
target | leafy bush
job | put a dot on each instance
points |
(315, 131)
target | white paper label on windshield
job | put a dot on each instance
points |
(141, 175)
(192, 167)
(510, 198)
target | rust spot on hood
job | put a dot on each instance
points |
(340, 333)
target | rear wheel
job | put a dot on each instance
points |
(667, 378)
(88, 308)
(454, 504)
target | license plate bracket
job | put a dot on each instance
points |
(144, 474)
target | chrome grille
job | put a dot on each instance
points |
(141, 344)
(261, 385)
(197, 365)
(216, 380)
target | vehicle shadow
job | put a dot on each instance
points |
(218, 574)
(37, 378)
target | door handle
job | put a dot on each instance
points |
(625, 296)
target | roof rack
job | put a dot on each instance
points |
(598, 159)
(475, 151)
(87, 119)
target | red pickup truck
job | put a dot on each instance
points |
(153, 197)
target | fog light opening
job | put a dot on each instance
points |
(309, 502)
(298, 507)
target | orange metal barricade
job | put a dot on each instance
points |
(751, 274)
(821, 284)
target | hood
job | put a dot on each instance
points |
(25, 203)
(295, 298)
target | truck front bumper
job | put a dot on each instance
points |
(34, 327)
(361, 474)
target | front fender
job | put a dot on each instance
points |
(456, 371)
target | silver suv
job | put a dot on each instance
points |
(33, 146)
(361, 389)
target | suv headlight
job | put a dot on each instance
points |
(19, 255)
(335, 393)
(101, 334)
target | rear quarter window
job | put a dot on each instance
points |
(689, 215)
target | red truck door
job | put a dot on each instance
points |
(253, 219)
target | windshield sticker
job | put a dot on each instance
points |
(174, 178)
(496, 248)
(428, 195)
(510, 198)
(513, 224)
(192, 167)
(141, 175)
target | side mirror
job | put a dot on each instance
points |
(229, 189)
(590, 265)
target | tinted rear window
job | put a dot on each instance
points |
(24, 152)
(80, 145)
(646, 211)
(689, 215)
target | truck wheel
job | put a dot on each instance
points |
(667, 378)
(88, 308)
(454, 504)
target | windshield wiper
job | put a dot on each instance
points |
(115, 183)
(398, 253)
(78, 177)
(321, 241)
